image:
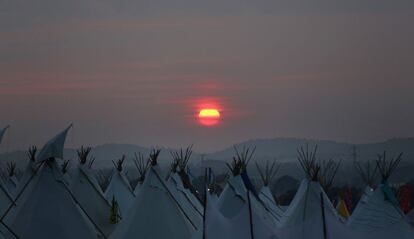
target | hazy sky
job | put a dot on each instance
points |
(133, 71)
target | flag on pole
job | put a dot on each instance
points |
(54, 147)
(2, 132)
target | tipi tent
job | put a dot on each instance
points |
(267, 174)
(154, 212)
(50, 211)
(378, 214)
(310, 214)
(120, 188)
(142, 166)
(86, 189)
(234, 196)
(368, 172)
(182, 188)
(245, 225)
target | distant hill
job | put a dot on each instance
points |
(284, 149)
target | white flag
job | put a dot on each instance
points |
(2, 132)
(54, 147)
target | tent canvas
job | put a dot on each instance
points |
(122, 190)
(89, 194)
(410, 217)
(50, 212)
(311, 215)
(233, 197)
(267, 198)
(154, 207)
(376, 217)
(12, 184)
(6, 199)
(191, 206)
(188, 195)
(267, 173)
(378, 214)
(219, 227)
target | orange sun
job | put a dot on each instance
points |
(209, 117)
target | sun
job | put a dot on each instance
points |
(209, 113)
(209, 116)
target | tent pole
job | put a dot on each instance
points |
(323, 216)
(250, 215)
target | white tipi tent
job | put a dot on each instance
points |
(50, 210)
(142, 166)
(186, 199)
(265, 195)
(180, 185)
(120, 188)
(154, 213)
(310, 214)
(234, 196)
(368, 173)
(245, 225)
(378, 215)
(86, 189)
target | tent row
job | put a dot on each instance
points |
(47, 202)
